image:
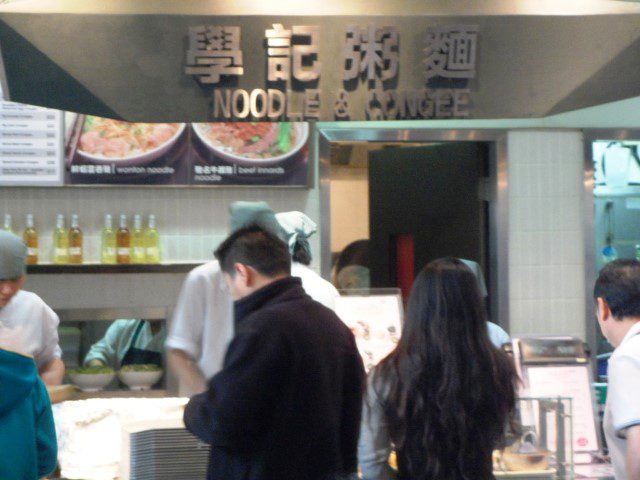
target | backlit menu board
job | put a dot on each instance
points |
(102, 151)
(375, 320)
(30, 145)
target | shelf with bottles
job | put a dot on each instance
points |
(121, 246)
(169, 267)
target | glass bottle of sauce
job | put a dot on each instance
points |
(108, 244)
(60, 242)
(123, 242)
(137, 241)
(76, 251)
(152, 241)
(30, 237)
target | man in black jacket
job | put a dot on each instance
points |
(287, 403)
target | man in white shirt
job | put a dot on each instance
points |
(202, 324)
(617, 293)
(27, 324)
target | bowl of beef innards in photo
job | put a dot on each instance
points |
(253, 143)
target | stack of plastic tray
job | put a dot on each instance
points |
(167, 454)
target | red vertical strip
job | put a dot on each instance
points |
(405, 255)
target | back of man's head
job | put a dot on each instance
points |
(619, 285)
(257, 248)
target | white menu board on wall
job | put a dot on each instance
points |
(31, 151)
(375, 320)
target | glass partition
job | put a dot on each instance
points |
(616, 191)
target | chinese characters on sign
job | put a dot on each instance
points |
(450, 52)
(371, 51)
(370, 56)
(282, 54)
(214, 52)
(92, 169)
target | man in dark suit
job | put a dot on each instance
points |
(287, 403)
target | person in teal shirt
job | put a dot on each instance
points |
(27, 432)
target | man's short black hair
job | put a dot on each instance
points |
(257, 248)
(619, 284)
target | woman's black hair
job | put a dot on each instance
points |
(448, 392)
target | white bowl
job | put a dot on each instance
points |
(91, 382)
(138, 159)
(302, 129)
(140, 380)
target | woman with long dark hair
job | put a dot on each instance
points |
(442, 398)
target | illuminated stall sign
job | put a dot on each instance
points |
(370, 70)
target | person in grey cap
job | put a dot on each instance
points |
(497, 335)
(297, 229)
(27, 324)
(202, 323)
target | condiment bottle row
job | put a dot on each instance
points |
(118, 245)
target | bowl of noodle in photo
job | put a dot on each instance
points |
(253, 143)
(104, 140)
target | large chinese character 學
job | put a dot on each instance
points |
(214, 51)
(450, 51)
(286, 58)
(373, 50)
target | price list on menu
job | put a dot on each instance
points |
(30, 145)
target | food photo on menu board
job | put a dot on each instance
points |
(105, 151)
(258, 153)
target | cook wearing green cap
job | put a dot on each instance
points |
(27, 324)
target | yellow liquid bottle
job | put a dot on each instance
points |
(8, 222)
(123, 242)
(76, 250)
(108, 245)
(60, 242)
(138, 254)
(30, 237)
(152, 241)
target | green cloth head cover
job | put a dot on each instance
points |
(13, 253)
(244, 214)
(298, 228)
(477, 271)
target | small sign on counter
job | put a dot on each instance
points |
(572, 382)
(375, 320)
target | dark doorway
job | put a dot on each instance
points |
(425, 203)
